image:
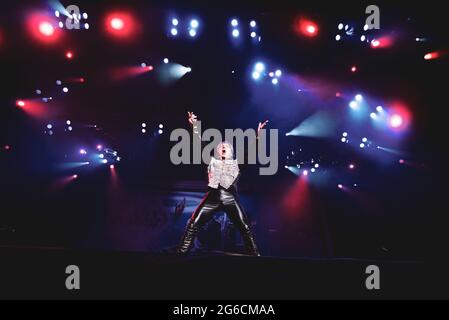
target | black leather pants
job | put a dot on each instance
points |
(214, 201)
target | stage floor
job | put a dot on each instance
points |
(29, 272)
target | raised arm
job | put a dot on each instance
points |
(193, 121)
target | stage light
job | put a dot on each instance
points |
(373, 115)
(58, 82)
(364, 140)
(57, 14)
(305, 172)
(353, 69)
(38, 91)
(49, 126)
(68, 122)
(362, 38)
(362, 145)
(343, 139)
(46, 29)
(234, 23)
(86, 26)
(111, 166)
(165, 60)
(235, 33)
(144, 125)
(50, 132)
(101, 155)
(358, 97)
(286, 167)
(274, 81)
(345, 134)
(340, 26)
(104, 161)
(65, 89)
(340, 186)
(401, 161)
(144, 131)
(192, 32)
(256, 75)
(351, 166)
(375, 43)
(174, 22)
(253, 34)
(117, 23)
(431, 55)
(69, 128)
(311, 29)
(312, 170)
(317, 165)
(278, 73)
(160, 131)
(353, 105)
(396, 121)
(271, 74)
(60, 24)
(337, 37)
(85, 15)
(194, 23)
(365, 27)
(252, 24)
(379, 108)
(83, 151)
(99, 147)
(161, 126)
(259, 67)
(118, 159)
(75, 176)
(69, 54)
(20, 103)
(174, 31)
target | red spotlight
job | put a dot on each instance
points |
(150, 68)
(432, 55)
(20, 103)
(111, 167)
(121, 24)
(75, 176)
(337, 94)
(306, 27)
(383, 42)
(69, 54)
(399, 117)
(41, 27)
(353, 69)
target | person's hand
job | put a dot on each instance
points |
(261, 126)
(192, 117)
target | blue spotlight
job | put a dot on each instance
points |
(274, 81)
(194, 23)
(343, 139)
(256, 75)
(253, 34)
(358, 97)
(353, 105)
(278, 73)
(192, 32)
(373, 115)
(252, 24)
(174, 31)
(174, 22)
(362, 145)
(235, 33)
(364, 140)
(345, 134)
(234, 23)
(379, 109)
(337, 37)
(259, 67)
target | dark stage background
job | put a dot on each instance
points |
(397, 211)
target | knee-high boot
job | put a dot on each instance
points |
(250, 243)
(187, 240)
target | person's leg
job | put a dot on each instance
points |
(202, 214)
(239, 218)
